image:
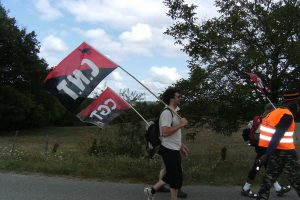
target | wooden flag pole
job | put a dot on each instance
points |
(270, 102)
(138, 113)
(150, 92)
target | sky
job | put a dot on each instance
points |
(129, 32)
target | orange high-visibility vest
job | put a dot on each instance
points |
(267, 129)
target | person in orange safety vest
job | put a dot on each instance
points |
(277, 135)
(260, 150)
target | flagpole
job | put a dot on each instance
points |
(138, 113)
(150, 92)
(143, 85)
(270, 102)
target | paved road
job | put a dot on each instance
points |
(33, 187)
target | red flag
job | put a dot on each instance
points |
(76, 76)
(104, 109)
(259, 84)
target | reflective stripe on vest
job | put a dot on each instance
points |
(267, 130)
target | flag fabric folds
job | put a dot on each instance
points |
(77, 75)
(259, 84)
(104, 109)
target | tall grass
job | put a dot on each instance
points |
(206, 164)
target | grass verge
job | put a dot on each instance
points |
(30, 152)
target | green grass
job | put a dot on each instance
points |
(204, 165)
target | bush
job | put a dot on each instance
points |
(129, 140)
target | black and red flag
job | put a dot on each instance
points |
(259, 84)
(105, 108)
(77, 75)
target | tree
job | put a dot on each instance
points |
(23, 101)
(261, 37)
(131, 96)
(206, 102)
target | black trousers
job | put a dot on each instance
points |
(253, 171)
(172, 160)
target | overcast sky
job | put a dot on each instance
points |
(129, 32)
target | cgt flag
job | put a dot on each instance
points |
(104, 109)
(76, 76)
(257, 81)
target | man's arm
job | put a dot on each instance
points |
(184, 150)
(167, 131)
(281, 128)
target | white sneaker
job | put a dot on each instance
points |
(147, 191)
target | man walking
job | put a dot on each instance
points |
(276, 134)
(171, 145)
(164, 189)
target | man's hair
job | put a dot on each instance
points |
(169, 94)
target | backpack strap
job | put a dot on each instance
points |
(166, 108)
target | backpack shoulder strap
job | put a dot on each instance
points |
(167, 108)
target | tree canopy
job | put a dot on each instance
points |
(261, 37)
(23, 101)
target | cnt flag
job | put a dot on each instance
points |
(77, 75)
(104, 109)
(257, 81)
